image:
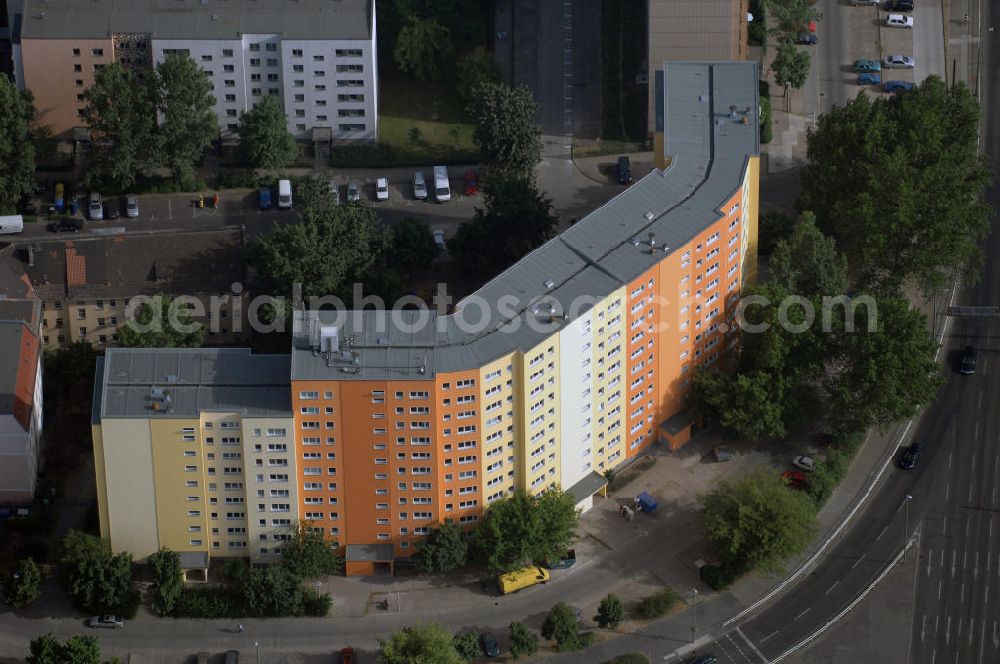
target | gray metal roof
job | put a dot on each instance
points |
(588, 485)
(379, 553)
(709, 152)
(197, 19)
(195, 379)
(10, 361)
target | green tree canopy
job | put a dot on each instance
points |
(264, 138)
(792, 16)
(46, 649)
(790, 65)
(900, 182)
(22, 587)
(756, 523)
(467, 646)
(413, 246)
(509, 139)
(423, 46)
(517, 219)
(420, 644)
(475, 68)
(187, 114)
(96, 580)
(610, 612)
(808, 263)
(444, 549)
(523, 642)
(167, 580)
(307, 555)
(562, 627)
(17, 145)
(520, 529)
(120, 110)
(161, 324)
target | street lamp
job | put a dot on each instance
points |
(694, 612)
(256, 646)
(906, 525)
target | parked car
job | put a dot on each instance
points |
(264, 198)
(867, 66)
(334, 192)
(381, 189)
(796, 479)
(869, 79)
(704, 659)
(419, 186)
(722, 453)
(439, 238)
(969, 359)
(353, 191)
(898, 21)
(899, 6)
(897, 86)
(111, 208)
(897, 62)
(96, 208)
(805, 463)
(347, 656)
(131, 206)
(442, 187)
(64, 226)
(471, 183)
(910, 456)
(624, 170)
(868, 3)
(284, 194)
(490, 646)
(106, 621)
(806, 38)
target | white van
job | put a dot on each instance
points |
(11, 225)
(284, 194)
(442, 190)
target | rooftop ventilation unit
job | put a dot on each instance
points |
(649, 216)
(329, 339)
(549, 283)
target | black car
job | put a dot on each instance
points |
(489, 644)
(806, 39)
(624, 170)
(111, 208)
(899, 6)
(64, 226)
(910, 456)
(969, 357)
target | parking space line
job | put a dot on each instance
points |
(753, 647)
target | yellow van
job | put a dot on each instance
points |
(522, 578)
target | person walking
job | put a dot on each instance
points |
(239, 628)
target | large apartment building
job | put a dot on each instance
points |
(85, 284)
(317, 56)
(573, 361)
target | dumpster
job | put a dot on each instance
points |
(645, 502)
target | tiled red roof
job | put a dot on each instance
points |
(76, 267)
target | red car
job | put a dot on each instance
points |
(471, 183)
(347, 655)
(796, 479)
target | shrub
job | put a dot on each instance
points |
(237, 178)
(610, 613)
(766, 122)
(630, 658)
(316, 604)
(717, 577)
(659, 604)
(522, 641)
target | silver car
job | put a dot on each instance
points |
(353, 191)
(419, 186)
(897, 62)
(335, 192)
(131, 206)
(106, 621)
(95, 208)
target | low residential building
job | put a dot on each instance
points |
(85, 284)
(20, 410)
(316, 56)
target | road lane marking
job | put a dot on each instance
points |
(947, 490)
(752, 646)
(990, 532)
(980, 409)
(804, 612)
(941, 561)
(856, 563)
(972, 629)
(944, 527)
(970, 492)
(975, 567)
(982, 641)
(968, 522)
(996, 635)
(965, 559)
(940, 585)
(923, 628)
(881, 532)
(949, 460)
(769, 636)
(976, 435)
(986, 597)
(835, 584)
(936, 620)
(959, 623)
(930, 557)
(954, 554)
(947, 632)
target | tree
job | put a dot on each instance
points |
(509, 139)
(420, 644)
(517, 219)
(755, 523)
(187, 114)
(886, 374)
(610, 612)
(475, 68)
(808, 263)
(413, 246)
(167, 579)
(924, 222)
(792, 16)
(791, 65)
(422, 48)
(96, 580)
(22, 587)
(46, 649)
(748, 405)
(445, 548)
(307, 555)
(17, 145)
(264, 138)
(467, 646)
(773, 226)
(120, 110)
(561, 626)
(328, 248)
(161, 324)
(269, 590)
(519, 529)
(522, 641)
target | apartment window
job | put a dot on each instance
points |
(229, 83)
(272, 77)
(296, 52)
(97, 52)
(348, 52)
(352, 69)
(318, 73)
(206, 58)
(76, 52)
(271, 47)
(255, 48)
(227, 52)
(255, 78)
(255, 62)
(230, 98)
(78, 83)
(230, 112)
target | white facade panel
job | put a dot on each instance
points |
(576, 385)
